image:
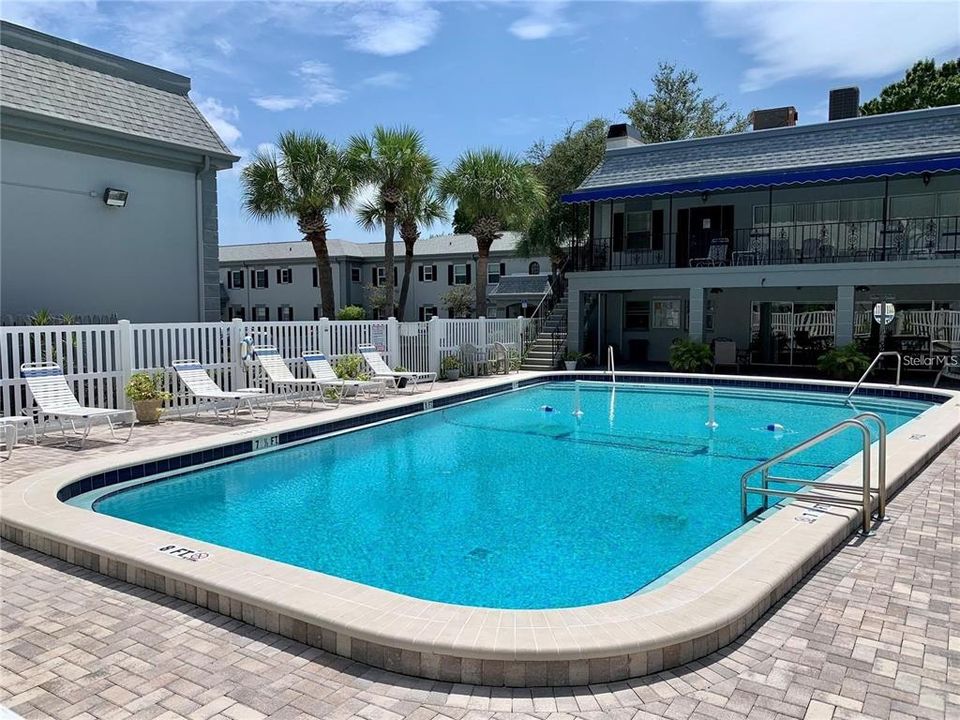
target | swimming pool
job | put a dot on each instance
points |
(512, 501)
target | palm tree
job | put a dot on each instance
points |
(307, 178)
(494, 191)
(394, 161)
(420, 208)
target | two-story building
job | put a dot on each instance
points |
(782, 239)
(279, 281)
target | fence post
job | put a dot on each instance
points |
(325, 336)
(522, 334)
(433, 344)
(238, 373)
(481, 332)
(125, 333)
(393, 341)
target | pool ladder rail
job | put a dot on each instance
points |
(865, 492)
(886, 353)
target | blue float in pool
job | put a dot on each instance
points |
(775, 427)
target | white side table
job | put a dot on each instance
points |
(9, 429)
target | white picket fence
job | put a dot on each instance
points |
(97, 360)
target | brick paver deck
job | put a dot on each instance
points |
(874, 632)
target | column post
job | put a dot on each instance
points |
(697, 310)
(843, 317)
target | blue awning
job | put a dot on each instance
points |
(772, 179)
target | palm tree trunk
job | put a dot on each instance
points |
(389, 223)
(483, 260)
(407, 271)
(324, 273)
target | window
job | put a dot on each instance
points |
(638, 224)
(867, 209)
(636, 315)
(493, 273)
(317, 312)
(913, 206)
(285, 313)
(381, 277)
(355, 273)
(668, 314)
(427, 312)
(236, 312)
(534, 268)
(284, 276)
(428, 273)
(261, 313)
(491, 312)
(378, 313)
(460, 275)
(259, 279)
(782, 214)
(949, 204)
(235, 279)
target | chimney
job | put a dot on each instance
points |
(774, 117)
(844, 103)
(622, 136)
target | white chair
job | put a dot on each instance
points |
(56, 400)
(382, 371)
(322, 370)
(952, 354)
(725, 353)
(285, 381)
(203, 388)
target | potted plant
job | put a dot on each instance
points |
(350, 367)
(451, 367)
(147, 395)
(571, 358)
(689, 355)
(844, 363)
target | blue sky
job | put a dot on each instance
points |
(470, 74)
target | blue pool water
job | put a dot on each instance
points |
(500, 503)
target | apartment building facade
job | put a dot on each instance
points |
(279, 281)
(783, 239)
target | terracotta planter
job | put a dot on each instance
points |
(148, 411)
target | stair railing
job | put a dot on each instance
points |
(553, 294)
(873, 364)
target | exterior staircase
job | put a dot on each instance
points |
(540, 355)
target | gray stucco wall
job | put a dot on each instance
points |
(62, 249)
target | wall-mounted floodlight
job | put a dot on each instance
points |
(115, 198)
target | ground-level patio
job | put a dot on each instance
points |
(874, 632)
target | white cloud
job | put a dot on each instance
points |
(544, 19)
(223, 45)
(392, 28)
(388, 79)
(364, 194)
(834, 40)
(318, 88)
(221, 118)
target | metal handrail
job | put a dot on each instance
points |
(881, 461)
(610, 366)
(872, 365)
(864, 502)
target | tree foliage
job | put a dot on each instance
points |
(306, 179)
(561, 166)
(494, 191)
(924, 86)
(677, 109)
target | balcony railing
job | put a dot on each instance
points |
(929, 238)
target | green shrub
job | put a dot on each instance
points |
(351, 312)
(143, 386)
(351, 367)
(843, 363)
(450, 362)
(689, 355)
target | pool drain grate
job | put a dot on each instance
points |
(478, 553)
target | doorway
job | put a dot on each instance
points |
(698, 226)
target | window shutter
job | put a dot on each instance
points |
(449, 274)
(266, 279)
(420, 311)
(229, 279)
(503, 269)
(253, 278)
(468, 273)
(240, 277)
(374, 276)
(279, 276)
(395, 281)
(420, 275)
(316, 277)
(434, 272)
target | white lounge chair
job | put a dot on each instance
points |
(951, 351)
(57, 401)
(203, 388)
(285, 381)
(322, 370)
(382, 371)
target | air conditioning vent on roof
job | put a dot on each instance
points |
(844, 103)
